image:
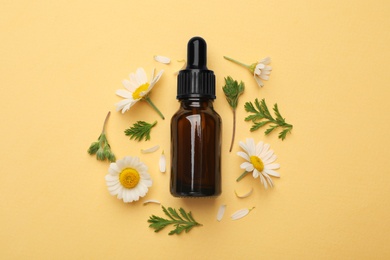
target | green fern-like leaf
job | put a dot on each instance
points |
(261, 116)
(140, 130)
(181, 221)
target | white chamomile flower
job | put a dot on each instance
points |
(137, 88)
(128, 179)
(260, 70)
(259, 160)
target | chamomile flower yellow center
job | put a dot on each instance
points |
(257, 163)
(139, 90)
(129, 178)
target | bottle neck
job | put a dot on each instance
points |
(196, 103)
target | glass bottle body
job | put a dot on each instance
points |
(196, 150)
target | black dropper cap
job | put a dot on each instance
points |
(196, 81)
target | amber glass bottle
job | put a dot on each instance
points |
(196, 129)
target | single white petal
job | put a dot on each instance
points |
(272, 166)
(122, 104)
(141, 77)
(271, 172)
(247, 194)
(260, 66)
(266, 60)
(182, 67)
(259, 148)
(155, 79)
(244, 147)
(271, 183)
(259, 82)
(133, 80)
(240, 213)
(263, 181)
(255, 173)
(162, 162)
(247, 166)
(113, 169)
(265, 150)
(243, 155)
(251, 146)
(265, 77)
(152, 201)
(124, 93)
(162, 59)
(267, 155)
(221, 212)
(129, 85)
(151, 149)
(126, 108)
(270, 160)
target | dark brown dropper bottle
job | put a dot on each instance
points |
(196, 129)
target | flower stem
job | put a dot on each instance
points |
(105, 122)
(234, 130)
(237, 62)
(147, 99)
(242, 176)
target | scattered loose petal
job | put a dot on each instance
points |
(162, 162)
(182, 68)
(241, 213)
(221, 212)
(151, 149)
(152, 201)
(162, 59)
(244, 195)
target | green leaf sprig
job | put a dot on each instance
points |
(182, 222)
(232, 91)
(140, 130)
(102, 148)
(260, 111)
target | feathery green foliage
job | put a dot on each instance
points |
(140, 130)
(182, 221)
(262, 116)
(232, 91)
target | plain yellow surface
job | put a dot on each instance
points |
(62, 61)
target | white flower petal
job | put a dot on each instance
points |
(155, 79)
(245, 194)
(152, 201)
(266, 60)
(240, 213)
(126, 108)
(270, 160)
(264, 77)
(124, 93)
(272, 166)
(258, 80)
(141, 77)
(259, 148)
(162, 59)
(255, 173)
(162, 162)
(271, 172)
(182, 67)
(129, 85)
(243, 155)
(247, 166)
(151, 149)
(221, 212)
(263, 181)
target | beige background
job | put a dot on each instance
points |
(61, 62)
